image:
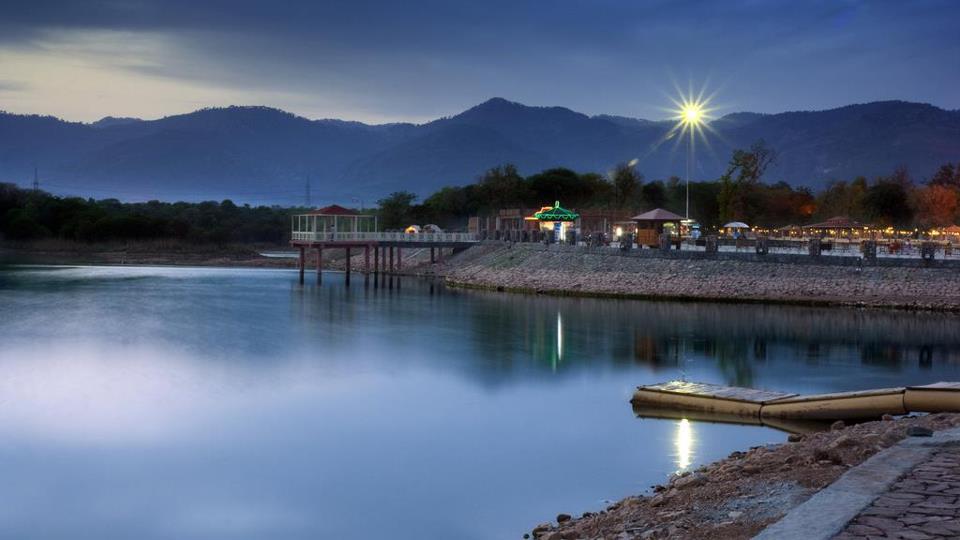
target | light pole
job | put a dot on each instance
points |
(691, 117)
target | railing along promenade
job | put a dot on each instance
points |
(386, 247)
(361, 237)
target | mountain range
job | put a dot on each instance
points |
(265, 155)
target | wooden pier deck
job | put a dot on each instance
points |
(768, 407)
(705, 397)
(384, 247)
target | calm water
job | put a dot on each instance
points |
(212, 403)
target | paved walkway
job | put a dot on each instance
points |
(923, 505)
(910, 491)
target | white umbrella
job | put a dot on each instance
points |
(736, 225)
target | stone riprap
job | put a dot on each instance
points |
(575, 271)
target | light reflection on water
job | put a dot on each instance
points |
(684, 444)
(219, 403)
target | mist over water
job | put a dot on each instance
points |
(224, 403)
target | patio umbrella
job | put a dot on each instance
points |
(736, 225)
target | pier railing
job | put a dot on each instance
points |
(382, 237)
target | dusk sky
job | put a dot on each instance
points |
(384, 61)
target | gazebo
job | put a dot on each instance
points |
(334, 220)
(650, 225)
(554, 218)
(836, 227)
(952, 231)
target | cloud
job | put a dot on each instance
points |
(12, 86)
(379, 60)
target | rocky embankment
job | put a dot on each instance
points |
(737, 497)
(534, 269)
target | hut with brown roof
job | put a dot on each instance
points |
(650, 225)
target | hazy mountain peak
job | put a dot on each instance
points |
(224, 152)
(499, 108)
(109, 121)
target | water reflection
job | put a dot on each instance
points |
(559, 357)
(208, 404)
(683, 444)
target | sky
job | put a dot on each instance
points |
(386, 61)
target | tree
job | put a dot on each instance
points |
(947, 176)
(738, 197)
(842, 199)
(934, 206)
(395, 209)
(560, 184)
(886, 203)
(502, 187)
(19, 224)
(626, 185)
(654, 194)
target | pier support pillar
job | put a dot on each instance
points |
(319, 263)
(399, 259)
(376, 259)
(347, 266)
(390, 267)
(366, 259)
(303, 263)
(433, 258)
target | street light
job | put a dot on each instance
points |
(692, 115)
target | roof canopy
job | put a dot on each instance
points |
(836, 222)
(555, 213)
(334, 210)
(657, 215)
(953, 229)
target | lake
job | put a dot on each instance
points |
(229, 403)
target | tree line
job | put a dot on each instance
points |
(34, 214)
(740, 194)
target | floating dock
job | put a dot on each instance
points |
(705, 397)
(783, 424)
(769, 407)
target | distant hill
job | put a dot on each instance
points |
(259, 154)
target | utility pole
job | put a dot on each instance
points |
(307, 193)
(36, 180)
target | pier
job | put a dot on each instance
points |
(335, 227)
(729, 401)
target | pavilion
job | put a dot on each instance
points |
(837, 226)
(554, 218)
(334, 219)
(650, 225)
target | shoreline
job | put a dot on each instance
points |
(145, 254)
(534, 270)
(739, 496)
(559, 293)
(527, 269)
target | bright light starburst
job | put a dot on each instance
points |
(692, 114)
